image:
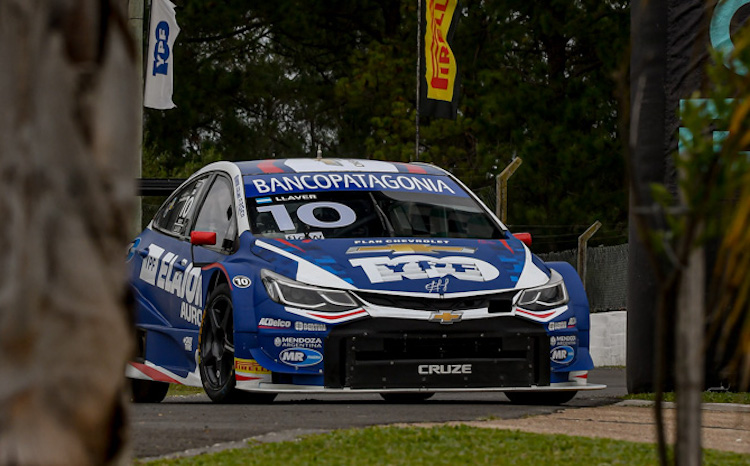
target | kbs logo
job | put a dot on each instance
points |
(161, 49)
(300, 357)
(562, 354)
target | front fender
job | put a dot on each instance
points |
(245, 287)
(579, 304)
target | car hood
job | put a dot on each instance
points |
(415, 266)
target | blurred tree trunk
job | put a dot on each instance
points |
(67, 144)
(689, 359)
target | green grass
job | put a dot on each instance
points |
(444, 445)
(708, 397)
(176, 389)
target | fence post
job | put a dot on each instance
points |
(501, 186)
(582, 246)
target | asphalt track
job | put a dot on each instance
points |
(185, 423)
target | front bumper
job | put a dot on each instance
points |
(379, 354)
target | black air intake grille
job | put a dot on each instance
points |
(399, 353)
(495, 302)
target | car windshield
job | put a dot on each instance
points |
(369, 214)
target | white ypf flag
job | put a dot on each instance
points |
(159, 58)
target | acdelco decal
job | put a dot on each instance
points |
(267, 322)
(158, 269)
(416, 267)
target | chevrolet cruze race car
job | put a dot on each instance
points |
(350, 276)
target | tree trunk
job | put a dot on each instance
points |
(689, 360)
(67, 143)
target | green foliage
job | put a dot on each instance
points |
(707, 397)
(278, 79)
(444, 445)
(176, 389)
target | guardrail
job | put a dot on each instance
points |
(158, 186)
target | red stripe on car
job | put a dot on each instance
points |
(533, 314)
(415, 169)
(268, 166)
(287, 243)
(153, 373)
(322, 316)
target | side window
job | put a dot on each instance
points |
(174, 216)
(217, 213)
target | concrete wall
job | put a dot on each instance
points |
(608, 338)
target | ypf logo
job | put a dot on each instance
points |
(161, 49)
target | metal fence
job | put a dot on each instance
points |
(606, 275)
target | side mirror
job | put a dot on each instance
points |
(524, 237)
(202, 238)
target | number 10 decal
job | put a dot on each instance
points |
(305, 213)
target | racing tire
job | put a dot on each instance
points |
(540, 398)
(147, 391)
(216, 352)
(405, 398)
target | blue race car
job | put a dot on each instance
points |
(348, 276)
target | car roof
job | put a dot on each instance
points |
(327, 165)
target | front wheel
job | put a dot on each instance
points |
(216, 346)
(540, 398)
(216, 352)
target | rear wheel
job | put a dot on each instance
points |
(406, 397)
(216, 352)
(541, 398)
(148, 391)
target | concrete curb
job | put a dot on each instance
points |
(271, 437)
(717, 407)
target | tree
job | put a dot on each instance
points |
(703, 205)
(67, 144)
(278, 79)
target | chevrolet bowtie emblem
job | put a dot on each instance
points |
(410, 249)
(446, 317)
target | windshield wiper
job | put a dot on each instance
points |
(383, 218)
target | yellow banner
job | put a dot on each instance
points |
(439, 60)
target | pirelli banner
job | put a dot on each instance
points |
(440, 79)
(672, 42)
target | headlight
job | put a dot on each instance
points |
(552, 294)
(293, 293)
